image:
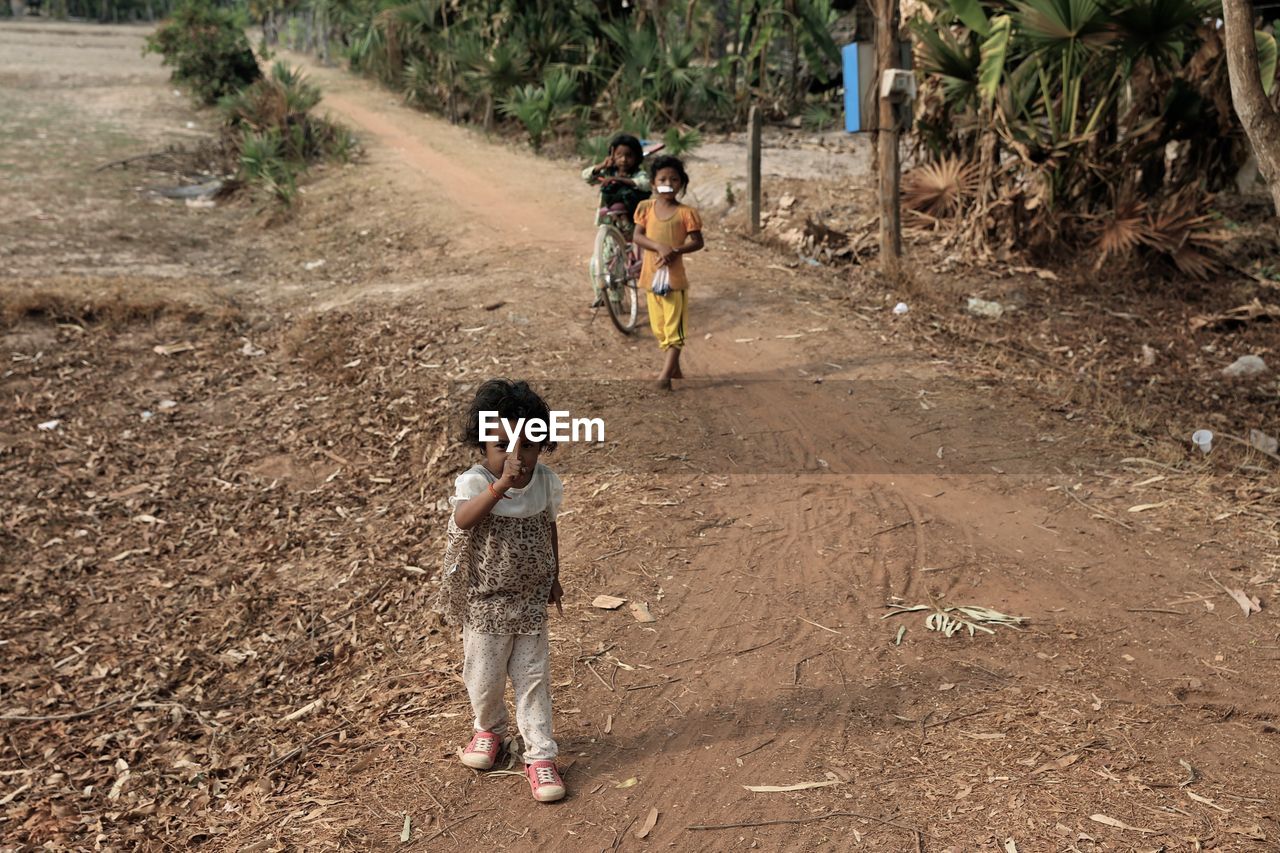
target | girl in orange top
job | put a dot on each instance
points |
(667, 230)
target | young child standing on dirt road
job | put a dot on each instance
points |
(501, 571)
(667, 230)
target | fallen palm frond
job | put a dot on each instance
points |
(1178, 230)
(1121, 233)
(950, 619)
(1187, 236)
(940, 188)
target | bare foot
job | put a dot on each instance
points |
(671, 365)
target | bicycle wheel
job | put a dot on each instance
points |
(609, 263)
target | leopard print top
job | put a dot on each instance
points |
(497, 575)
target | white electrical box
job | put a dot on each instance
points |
(898, 85)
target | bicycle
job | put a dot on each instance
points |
(615, 271)
(615, 263)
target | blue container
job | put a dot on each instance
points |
(860, 113)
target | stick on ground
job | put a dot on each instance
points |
(828, 815)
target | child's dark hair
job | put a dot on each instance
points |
(512, 401)
(630, 142)
(669, 162)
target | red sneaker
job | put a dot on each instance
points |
(545, 781)
(482, 751)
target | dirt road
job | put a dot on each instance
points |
(770, 662)
(812, 471)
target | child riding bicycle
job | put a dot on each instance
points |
(623, 185)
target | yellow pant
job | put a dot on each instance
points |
(666, 317)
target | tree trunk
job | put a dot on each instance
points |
(270, 28)
(310, 45)
(1260, 120)
(323, 35)
(724, 20)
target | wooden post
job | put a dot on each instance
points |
(753, 167)
(887, 138)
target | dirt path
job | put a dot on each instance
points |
(813, 471)
(769, 662)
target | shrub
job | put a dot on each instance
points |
(538, 108)
(676, 141)
(271, 127)
(262, 164)
(207, 49)
(594, 148)
(819, 117)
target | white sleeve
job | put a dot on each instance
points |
(555, 492)
(470, 483)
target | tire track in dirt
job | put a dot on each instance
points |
(481, 196)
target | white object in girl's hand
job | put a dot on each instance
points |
(662, 282)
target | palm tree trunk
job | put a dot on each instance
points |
(1260, 120)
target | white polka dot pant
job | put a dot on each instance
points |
(488, 660)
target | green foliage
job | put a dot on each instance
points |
(819, 117)
(677, 141)
(268, 122)
(1267, 60)
(993, 54)
(419, 83)
(951, 62)
(633, 67)
(638, 124)
(104, 11)
(972, 15)
(594, 148)
(263, 164)
(207, 49)
(271, 126)
(1159, 31)
(539, 107)
(1061, 114)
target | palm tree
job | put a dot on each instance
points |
(1060, 103)
(494, 71)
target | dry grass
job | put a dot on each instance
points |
(112, 302)
(1142, 427)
